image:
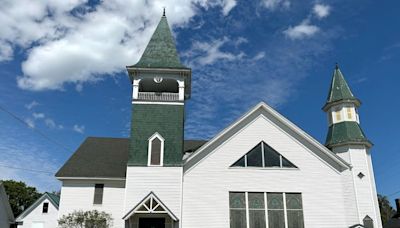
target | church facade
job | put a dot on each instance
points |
(262, 171)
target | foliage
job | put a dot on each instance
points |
(386, 210)
(20, 195)
(86, 219)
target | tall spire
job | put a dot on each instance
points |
(339, 91)
(161, 50)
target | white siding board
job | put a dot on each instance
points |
(164, 182)
(78, 195)
(207, 185)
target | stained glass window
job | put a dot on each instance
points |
(271, 157)
(294, 210)
(254, 203)
(237, 204)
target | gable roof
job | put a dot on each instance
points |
(144, 200)
(54, 199)
(161, 50)
(339, 91)
(4, 201)
(263, 109)
(107, 157)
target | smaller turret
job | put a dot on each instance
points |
(341, 107)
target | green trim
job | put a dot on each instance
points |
(161, 50)
(344, 133)
(148, 119)
(339, 91)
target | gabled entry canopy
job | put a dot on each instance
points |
(150, 204)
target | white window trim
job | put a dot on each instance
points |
(150, 140)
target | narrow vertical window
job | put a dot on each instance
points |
(256, 210)
(156, 150)
(98, 194)
(45, 207)
(276, 211)
(294, 210)
(349, 113)
(237, 205)
(338, 115)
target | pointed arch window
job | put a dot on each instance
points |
(262, 155)
(156, 150)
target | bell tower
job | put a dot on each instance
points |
(346, 139)
(161, 84)
(154, 174)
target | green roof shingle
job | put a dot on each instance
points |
(339, 90)
(161, 50)
(345, 133)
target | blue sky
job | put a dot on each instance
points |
(63, 71)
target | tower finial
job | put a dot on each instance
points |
(163, 12)
(336, 66)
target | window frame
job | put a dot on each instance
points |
(96, 187)
(150, 143)
(281, 157)
(47, 208)
(266, 208)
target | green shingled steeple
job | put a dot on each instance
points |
(346, 130)
(161, 50)
(339, 91)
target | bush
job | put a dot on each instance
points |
(85, 219)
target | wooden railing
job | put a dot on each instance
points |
(153, 96)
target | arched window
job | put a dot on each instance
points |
(156, 150)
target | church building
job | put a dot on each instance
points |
(262, 171)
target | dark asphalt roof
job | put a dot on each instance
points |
(105, 157)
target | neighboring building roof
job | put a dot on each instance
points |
(105, 158)
(161, 50)
(263, 109)
(347, 132)
(54, 199)
(339, 91)
(4, 201)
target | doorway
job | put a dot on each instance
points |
(151, 222)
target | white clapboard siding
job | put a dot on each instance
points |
(206, 186)
(79, 194)
(49, 219)
(164, 182)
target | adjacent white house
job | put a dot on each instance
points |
(6, 214)
(262, 171)
(43, 213)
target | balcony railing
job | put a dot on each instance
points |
(153, 96)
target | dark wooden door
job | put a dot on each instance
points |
(151, 222)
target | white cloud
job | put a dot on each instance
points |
(50, 123)
(303, 30)
(205, 53)
(30, 122)
(31, 105)
(321, 10)
(67, 33)
(80, 129)
(38, 115)
(274, 4)
(228, 5)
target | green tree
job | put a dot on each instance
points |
(20, 195)
(386, 210)
(86, 219)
